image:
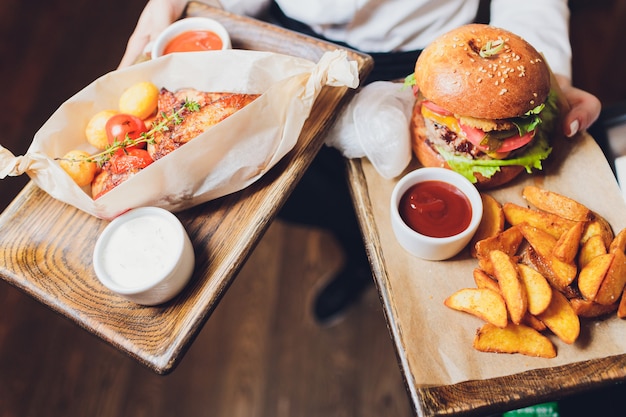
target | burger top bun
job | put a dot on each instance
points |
(506, 80)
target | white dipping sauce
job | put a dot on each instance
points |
(141, 251)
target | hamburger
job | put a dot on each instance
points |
(484, 105)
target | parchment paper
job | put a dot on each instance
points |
(226, 158)
(438, 340)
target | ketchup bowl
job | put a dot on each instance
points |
(435, 212)
(191, 34)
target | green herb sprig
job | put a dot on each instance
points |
(175, 117)
(491, 48)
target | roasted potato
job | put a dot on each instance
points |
(555, 203)
(511, 287)
(548, 222)
(561, 319)
(491, 223)
(480, 302)
(514, 338)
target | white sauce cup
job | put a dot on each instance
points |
(144, 255)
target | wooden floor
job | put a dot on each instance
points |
(260, 353)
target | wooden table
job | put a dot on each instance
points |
(46, 246)
(405, 309)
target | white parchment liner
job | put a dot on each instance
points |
(226, 158)
(436, 340)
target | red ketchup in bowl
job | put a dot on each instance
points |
(194, 40)
(436, 209)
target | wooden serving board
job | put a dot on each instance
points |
(46, 246)
(445, 376)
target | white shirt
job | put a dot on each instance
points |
(404, 25)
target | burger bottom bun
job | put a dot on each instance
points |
(429, 157)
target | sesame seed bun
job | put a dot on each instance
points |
(506, 83)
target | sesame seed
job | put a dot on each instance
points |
(503, 91)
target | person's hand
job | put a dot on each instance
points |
(584, 107)
(155, 17)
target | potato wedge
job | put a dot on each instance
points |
(538, 290)
(483, 303)
(561, 319)
(532, 321)
(618, 242)
(592, 275)
(621, 309)
(589, 309)
(556, 203)
(511, 287)
(484, 280)
(548, 222)
(513, 339)
(566, 247)
(592, 247)
(560, 274)
(492, 221)
(598, 226)
(614, 282)
(508, 241)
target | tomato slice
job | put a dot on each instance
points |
(476, 136)
(436, 108)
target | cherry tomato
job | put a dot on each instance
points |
(130, 159)
(121, 126)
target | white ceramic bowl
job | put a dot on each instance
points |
(428, 247)
(144, 255)
(187, 24)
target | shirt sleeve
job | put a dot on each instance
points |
(543, 23)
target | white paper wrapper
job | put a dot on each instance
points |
(226, 158)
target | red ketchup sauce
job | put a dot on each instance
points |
(194, 40)
(436, 209)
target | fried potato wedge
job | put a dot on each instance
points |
(548, 222)
(508, 241)
(556, 203)
(513, 339)
(483, 303)
(619, 242)
(589, 309)
(560, 274)
(614, 282)
(621, 309)
(534, 322)
(592, 275)
(598, 226)
(538, 289)
(511, 287)
(491, 223)
(561, 318)
(484, 280)
(592, 247)
(566, 247)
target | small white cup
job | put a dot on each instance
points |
(427, 247)
(187, 24)
(144, 255)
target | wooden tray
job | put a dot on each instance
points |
(46, 246)
(406, 287)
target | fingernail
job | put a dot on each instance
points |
(573, 128)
